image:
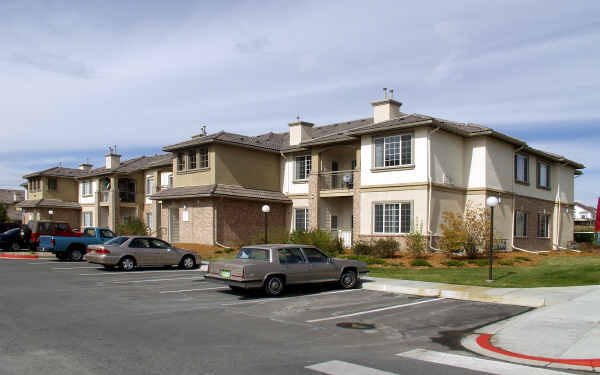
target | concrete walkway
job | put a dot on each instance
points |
(562, 332)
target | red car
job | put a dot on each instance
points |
(34, 229)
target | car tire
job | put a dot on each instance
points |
(187, 262)
(127, 264)
(274, 286)
(76, 255)
(348, 280)
(15, 246)
(60, 256)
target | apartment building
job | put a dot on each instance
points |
(9, 198)
(376, 177)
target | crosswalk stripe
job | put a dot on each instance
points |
(477, 364)
(345, 368)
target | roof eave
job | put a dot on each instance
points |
(388, 128)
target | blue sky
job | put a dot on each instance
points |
(79, 76)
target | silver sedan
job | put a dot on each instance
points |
(129, 252)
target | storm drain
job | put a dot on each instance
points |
(355, 325)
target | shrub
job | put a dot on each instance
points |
(420, 263)
(526, 259)
(476, 227)
(416, 242)
(219, 252)
(506, 263)
(479, 262)
(361, 248)
(453, 263)
(229, 250)
(318, 238)
(365, 258)
(453, 236)
(385, 248)
(133, 227)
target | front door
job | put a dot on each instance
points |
(174, 224)
(295, 267)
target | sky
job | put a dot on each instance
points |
(76, 77)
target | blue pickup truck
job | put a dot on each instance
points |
(74, 248)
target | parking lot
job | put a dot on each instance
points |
(76, 318)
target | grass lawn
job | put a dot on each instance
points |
(553, 271)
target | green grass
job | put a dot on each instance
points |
(525, 259)
(364, 258)
(479, 262)
(556, 271)
(453, 263)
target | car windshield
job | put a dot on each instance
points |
(117, 241)
(250, 253)
(12, 231)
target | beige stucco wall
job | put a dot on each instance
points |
(475, 162)
(447, 159)
(196, 177)
(288, 172)
(67, 190)
(89, 208)
(247, 168)
(340, 207)
(442, 201)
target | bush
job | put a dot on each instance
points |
(479, 262)
(416, 242)
(319, 239)
(470, 233)
(453, 263)
(229, 250)
(453, 236)
(361, 248)
(133, 227)
(506, 263)
(365, 258)
(385, 248)
(420, 263)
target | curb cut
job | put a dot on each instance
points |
(481, 344)
(19, 256)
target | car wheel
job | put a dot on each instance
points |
(15, 246)
(187, 262)
(274, 286)
(348, 280)
(127, 264)
(76, 255)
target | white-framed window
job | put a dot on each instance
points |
(300, 219)
(543, 175)
(87, 219)
(180, 162)
(392, 218)
(150, 185)
(203, 158)
(543, 227)
(192, 161)
(86, 188)
(522, 168)
(149, 220)
(303, 167)
(393, 151)
(521, 224)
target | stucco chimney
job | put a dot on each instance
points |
(85, 167)
(386, 109)
(112, 160)
(300, 131)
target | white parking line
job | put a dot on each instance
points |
(192, 290)
(372, 311)
(71, 268)
(153, 280)
(345, 368)
(285, 298)
(132, 273)
(476, 364)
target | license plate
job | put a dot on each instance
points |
(225, 274)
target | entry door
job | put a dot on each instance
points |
(174, 224)
(334, 177)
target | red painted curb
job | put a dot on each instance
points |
(484, 341)
(14, 256)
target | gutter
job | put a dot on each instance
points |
(429, 188)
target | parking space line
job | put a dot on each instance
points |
(372, 311)
(259, 300)
(153, 280)
(192, 290)
(133, 273)
(71, 268)
(345, 368)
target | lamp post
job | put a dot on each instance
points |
(266, 209)
(492, 202)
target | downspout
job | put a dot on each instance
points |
(430, 188)
(559, 221)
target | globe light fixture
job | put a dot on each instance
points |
(266, 209)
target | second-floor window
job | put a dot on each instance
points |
(126, 190)
(203, 158)
(303, 167)
(34, 185)
(86, 188)
(192, 159)
(52, 184)
(521, 168)
(543, 175)
(393, 151)
(149, 185)
(180, 162)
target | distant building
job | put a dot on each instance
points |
(10, 198)
(584, 215)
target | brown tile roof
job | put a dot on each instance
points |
(58, 172)
(8, 195)
(218, 190)
(48, 203)
(134, 165)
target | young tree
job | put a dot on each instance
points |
(453, 235)
(416, 242)
(477, 230)
(3, 214)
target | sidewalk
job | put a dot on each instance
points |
(562, 332)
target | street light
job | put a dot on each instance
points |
(266, 209)
(492, 202)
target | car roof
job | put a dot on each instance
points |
(278, 246)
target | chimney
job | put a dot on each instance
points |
(112, 158)
(85, 167)
(300, 131)
(386, 109)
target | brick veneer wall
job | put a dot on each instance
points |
(199, 228)
(313, 201)
(534, 206)
(356, 207)
(71, 216)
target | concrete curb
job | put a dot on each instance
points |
(483, 344)
(454, 294)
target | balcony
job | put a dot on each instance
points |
(340, 180)
(104, 196)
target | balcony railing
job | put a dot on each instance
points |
(124, 197)
(339, 180)
(104, 196)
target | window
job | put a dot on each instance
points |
(52, 184)
(543, 175)
(86, 188)
(301, 219)
(105, 233)
(88, 232)
(303, 167)
(392, 218)
(315, 256)
(127, 190)
(393, 151)
(521, 168)
(248, 253)
(192, 159)
(140, 243)
(149, 220)
(87, 219)
(117, 241)
(180, 162)
(150, 185)
(203, 158)
(290, 256)
(521, 224)
(159, 244)
(62, 227)
(543, 230)
(170, 181)
(334, 222)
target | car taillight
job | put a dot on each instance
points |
(53, 242)
(102, 251)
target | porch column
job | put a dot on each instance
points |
(96, 217)
(314, 193)
(356, 199)
(114, 205)
(156, 219)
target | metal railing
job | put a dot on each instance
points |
(339, 180)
